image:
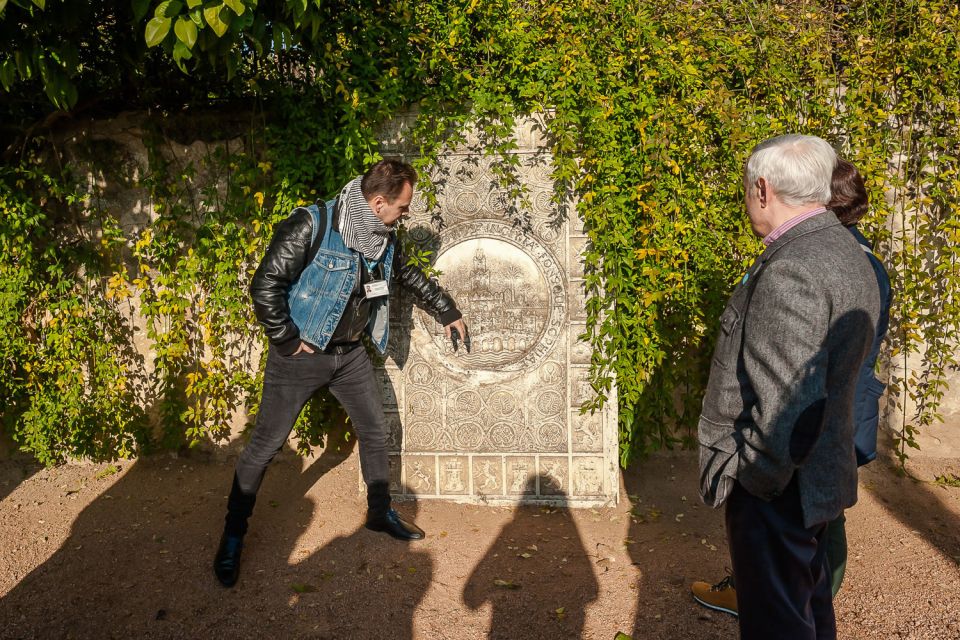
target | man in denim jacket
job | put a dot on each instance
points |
(324, 283)
(776, 429)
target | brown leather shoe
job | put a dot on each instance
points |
(720, 597)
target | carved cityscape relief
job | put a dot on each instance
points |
(501, 422)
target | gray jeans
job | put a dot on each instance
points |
(288, 382)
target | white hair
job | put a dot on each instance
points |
(798, 168)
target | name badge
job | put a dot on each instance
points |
(376, 289)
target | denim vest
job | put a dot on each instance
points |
(318, 297)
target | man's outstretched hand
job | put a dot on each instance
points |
(457, 331)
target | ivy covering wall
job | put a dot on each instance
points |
(651, 110)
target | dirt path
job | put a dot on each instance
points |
(87, 553)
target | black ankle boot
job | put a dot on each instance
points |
(380, 517)
(226, 564)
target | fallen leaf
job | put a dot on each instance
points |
(303, 588)
(506, 584)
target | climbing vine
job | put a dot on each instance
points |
(650, 111)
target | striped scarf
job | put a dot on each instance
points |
(360, 227)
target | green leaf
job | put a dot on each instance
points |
(193, 4)
(140, 9)
(8, 73)
(70, 94)
(23, 65)
(3, 5)
(40, 3)
(186, 31)
(236, 5)
(181, 53)
(505, 584)
(212, 16)
(157, 29)
(168, 9)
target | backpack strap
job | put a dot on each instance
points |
(320, 221)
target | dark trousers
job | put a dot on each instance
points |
(836, 540)
(783, 587)
(288, 382)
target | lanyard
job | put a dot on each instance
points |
(370, 264)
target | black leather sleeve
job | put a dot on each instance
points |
(285, 259)
(433, 297)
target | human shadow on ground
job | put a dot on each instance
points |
(921, 506)
(538, 580)
(360, 585)
(138, 559)
(672, 540)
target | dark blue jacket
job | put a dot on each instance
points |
(866, 408)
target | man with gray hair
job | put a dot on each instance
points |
(776, 429)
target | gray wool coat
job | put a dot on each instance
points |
(779, 400)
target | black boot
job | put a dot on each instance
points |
(380, 517)
(226, 564)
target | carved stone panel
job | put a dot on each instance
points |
(499, 423)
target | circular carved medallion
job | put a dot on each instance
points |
(549, 403)
(420, 436)
(468, 436)
(502, 436)
(502, 403)
(421, 404)
(552, 436)
(467, 403)
(511, 291)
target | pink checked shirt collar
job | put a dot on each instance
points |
(772, 237)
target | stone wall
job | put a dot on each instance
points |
(501, 423)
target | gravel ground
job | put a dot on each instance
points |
(125, 550)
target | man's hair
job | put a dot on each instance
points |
(386, 178)
(798, 168)
(848, 193)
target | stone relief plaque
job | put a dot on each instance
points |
(488, 476)
(501, 423)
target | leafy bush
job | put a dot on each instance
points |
(650, 109)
